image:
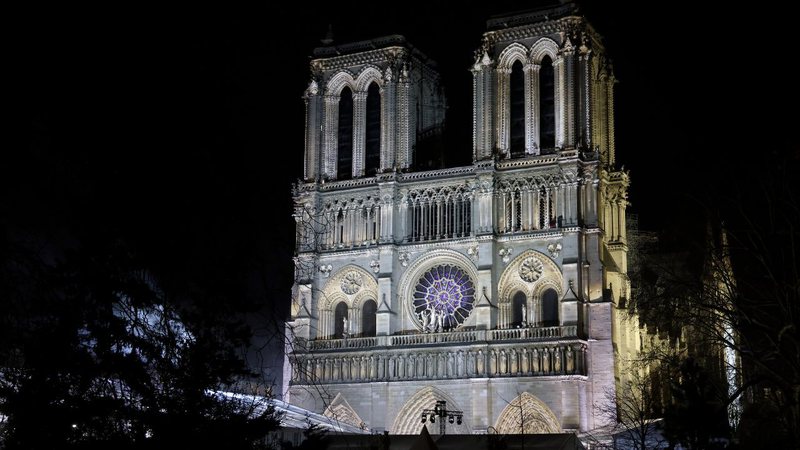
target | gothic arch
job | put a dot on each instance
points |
(425, 262)
(408, 421)
(526, 414)
(544, 47)
(340, 411)
(512, 53)
(352, 285)
(530, 273)
(332, 291)
(366, 76)
(511, 280)
(339, 81)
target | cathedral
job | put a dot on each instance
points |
(493, 291)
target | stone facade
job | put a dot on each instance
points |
(492, 286)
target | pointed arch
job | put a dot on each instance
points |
(511, 54)
(332, 291)
(367, 76)
(408, 421)
(530, 273)
(340, 411)
(339, 81)
(526, 414)
(543, 47)
(511, 280)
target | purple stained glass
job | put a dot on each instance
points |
(445, 288)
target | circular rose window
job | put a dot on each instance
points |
(443, 298)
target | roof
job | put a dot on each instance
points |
(541, 14)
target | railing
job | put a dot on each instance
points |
(437, 338)
(340, 344)
(452, 337)
(533, 333)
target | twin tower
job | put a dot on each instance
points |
(494, 286)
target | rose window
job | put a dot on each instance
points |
(531, 269)
(351, 283)
(446, 291)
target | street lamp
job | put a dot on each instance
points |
(440, 411)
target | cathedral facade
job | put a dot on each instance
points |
(495, 286)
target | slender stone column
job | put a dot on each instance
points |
(359, 132)
(331, 130)
(532, 108)
(313, 103)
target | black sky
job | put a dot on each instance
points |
(184, 127)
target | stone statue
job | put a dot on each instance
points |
(345, 328)
(524, 315)
(425, 315)
(440, 321)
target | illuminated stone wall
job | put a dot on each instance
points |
(497, 284)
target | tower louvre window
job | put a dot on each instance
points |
(345, 139)
(372, 147)
(517, 111)
(547, 110)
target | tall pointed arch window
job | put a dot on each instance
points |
(344, 167)
(368, 318)
(547, 108)
(372, 146)
(517, 111)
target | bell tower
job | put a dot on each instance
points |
(368, 107)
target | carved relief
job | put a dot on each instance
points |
(531, 269)
(554, 249)
(351, 283)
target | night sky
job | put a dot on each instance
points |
(183, 128)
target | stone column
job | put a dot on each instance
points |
(585, 80)
(359, 132)
(406, 135)
(388, 123)
(560, 92)
(313, 103)
(567, 55)
(483, 86)
(331, 135)
(532, 108)
(503, 75)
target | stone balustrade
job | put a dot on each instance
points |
(452, 337)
